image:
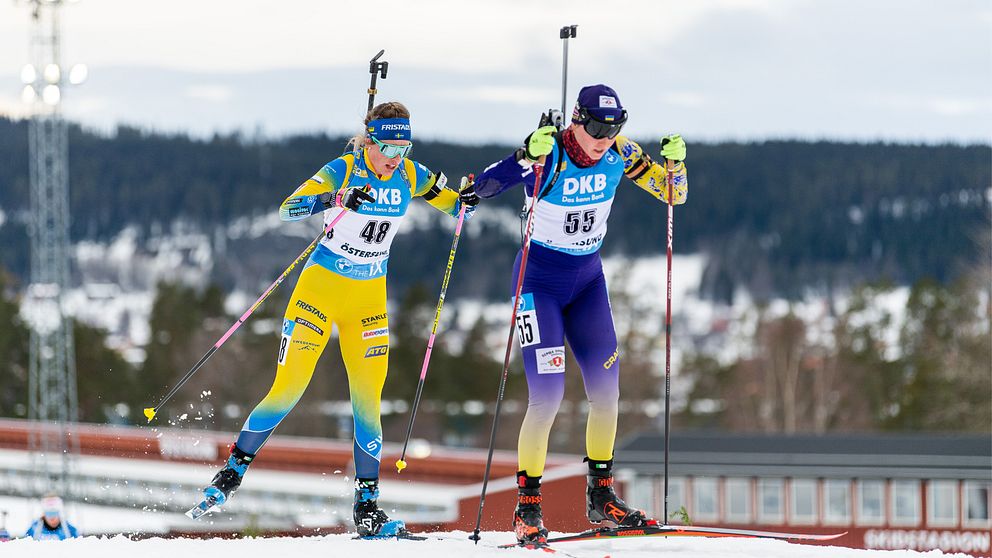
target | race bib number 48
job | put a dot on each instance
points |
(528, 331)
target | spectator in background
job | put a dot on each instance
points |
(50, 526)
(4, 533)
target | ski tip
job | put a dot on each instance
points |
(400, 465)
(150, 413)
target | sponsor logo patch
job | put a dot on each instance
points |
(372, 320)
(607, 101)
(307, 323)
(376, 351)
(378, 332)
(550, 360)
(310, 308)
(307, 345)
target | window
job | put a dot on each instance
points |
(676, 498)
(976, 504)
(704, 499)
(905, 504)
(836, 502)
(942, 503)
(803, 500)
(641, 494)
(738, 500)
(770, 501)
(871, 502)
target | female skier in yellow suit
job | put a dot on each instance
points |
(344, 284)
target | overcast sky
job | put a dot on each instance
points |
(902, 70)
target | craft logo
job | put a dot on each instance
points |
(612, 360)
(376, 351)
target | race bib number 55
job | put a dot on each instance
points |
(528, 331)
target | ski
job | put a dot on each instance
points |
(212, 497)
(402, 536)
(530, 546)
(205, 506)
(687, 531)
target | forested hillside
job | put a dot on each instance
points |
(775, 217)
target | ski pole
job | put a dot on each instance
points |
(670, 167)
(400, 463)
(564, 34)
(150, 412)
(538, 172)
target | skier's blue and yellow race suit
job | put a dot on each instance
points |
(344, 284)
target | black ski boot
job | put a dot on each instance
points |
(225, 482)
(371, 521)
(603, 504)
(528, 521)
(228, 479)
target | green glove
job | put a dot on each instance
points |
(673, 147)
(540, 142)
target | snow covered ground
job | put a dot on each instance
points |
(441, 544)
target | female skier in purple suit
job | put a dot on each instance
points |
(564, 292)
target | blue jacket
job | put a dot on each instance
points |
(40, 531)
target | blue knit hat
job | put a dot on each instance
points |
(601, 102)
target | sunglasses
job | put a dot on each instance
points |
(391, 151)
(599, 129)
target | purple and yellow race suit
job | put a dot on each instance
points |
(564, 292)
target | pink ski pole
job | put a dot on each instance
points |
(400, 463)
(150, 412)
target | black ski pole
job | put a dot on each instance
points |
(538, 173)
(376, 68)
(569, 31)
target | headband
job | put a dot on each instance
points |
(390, 129)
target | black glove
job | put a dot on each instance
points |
(349, 198)
(468, 196)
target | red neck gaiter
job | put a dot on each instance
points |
(575, 152)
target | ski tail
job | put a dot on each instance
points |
(689, 531)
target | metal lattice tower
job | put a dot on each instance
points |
(52, 400)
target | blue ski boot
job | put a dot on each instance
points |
(225, 482)
(372, 522)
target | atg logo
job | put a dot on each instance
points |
(376, 351)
